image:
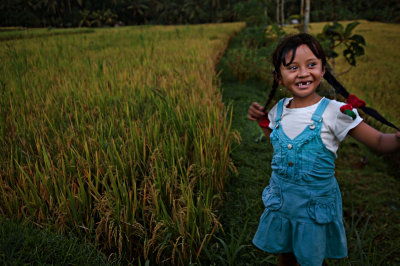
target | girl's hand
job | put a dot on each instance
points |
(255, 112)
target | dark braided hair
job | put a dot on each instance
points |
(289, 44)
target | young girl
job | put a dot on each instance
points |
(302, 220)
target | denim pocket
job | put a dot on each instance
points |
(322, 209)
(272, 197)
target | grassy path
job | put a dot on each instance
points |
(243, 207)
(370, 187)
(251, 157)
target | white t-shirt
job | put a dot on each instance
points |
(335, 124)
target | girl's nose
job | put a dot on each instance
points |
(303, 72)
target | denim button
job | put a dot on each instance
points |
(290, 163)
(289, 146)
(312, 126)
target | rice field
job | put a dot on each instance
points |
(13, 33)
(118, 135)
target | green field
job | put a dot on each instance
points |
(121, 137)
(15, 33)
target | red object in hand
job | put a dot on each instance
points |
(264, 122)
(355, 101)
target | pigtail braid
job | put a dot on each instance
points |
(375, 114)
(336, 84)
(271, 95)
(368, 110)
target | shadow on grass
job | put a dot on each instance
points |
(22, 244)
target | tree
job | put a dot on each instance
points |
(252, 12)
(277, 13)
(301, 12)
(307, 16)
(139, 10)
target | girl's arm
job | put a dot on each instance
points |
(375, 139)
(255, 114)
(267, 132)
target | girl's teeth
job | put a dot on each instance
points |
(302, 84)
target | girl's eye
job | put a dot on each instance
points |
(312, 64)
(292, 67)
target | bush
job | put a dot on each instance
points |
(252, 59)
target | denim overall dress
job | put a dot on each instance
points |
(303, 206)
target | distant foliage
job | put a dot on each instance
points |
(252, 12)
(330, 10)
(97, 18)
(67, 13)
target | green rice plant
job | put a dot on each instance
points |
(13, 33)
(119, 136)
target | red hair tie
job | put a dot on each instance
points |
(348, 110)
(355, 101)
(264, 121)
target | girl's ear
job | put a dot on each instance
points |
(323, 70)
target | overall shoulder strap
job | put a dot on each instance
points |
(279, 110)
(317, 116)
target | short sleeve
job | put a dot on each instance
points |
(344, 123)
(271, 116)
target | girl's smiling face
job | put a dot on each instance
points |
(303, 75)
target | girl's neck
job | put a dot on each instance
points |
(299, 102)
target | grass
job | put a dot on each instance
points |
(241, 210)
(119, 136)
(370, 183)
(25, 244)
